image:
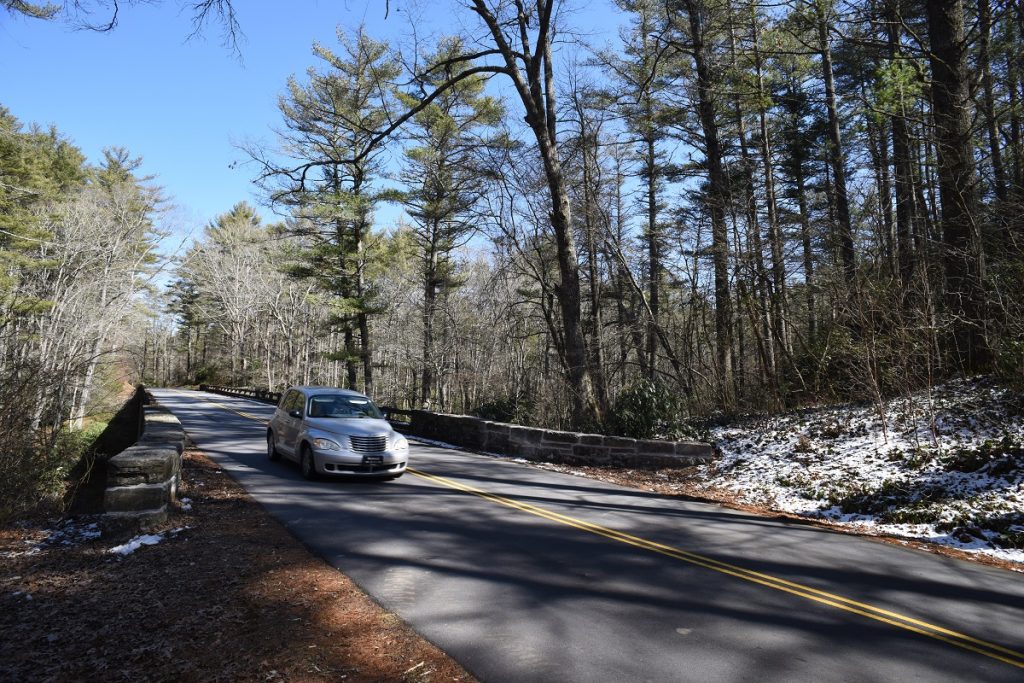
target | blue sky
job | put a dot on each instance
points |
(183, 104)
(180, 104)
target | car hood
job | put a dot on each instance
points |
(350, 426)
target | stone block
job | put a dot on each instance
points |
(123, 525)
(592, 440)
(695, 449)
(143, 465)
(620, 442)
(527, 451)
(138, 498)
(471, 432)
(497, 428)
(655, 447)
(591, 455)
(143, 479)
(162, 428)
(589, 451)
(525, 435)
(496, 442)
(420, 422)
(552, 453)
(560, 437)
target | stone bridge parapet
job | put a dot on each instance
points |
(143, 480)
(533, 443)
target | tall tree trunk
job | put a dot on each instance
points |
(653, 254)
(992, 123)
(536, 90)
(755, 248)
(774, 230)
(361, 229)
(429, 307)
(844, 226)
(740, 278)
(350, 353)
(796, 146)
(908, 212)
(878, 143)
(1013, 84)
(1014, 76)
(716, 196)
(963, 255)
(628, 333)
(590, 190)
(341, 237)
(807, 248)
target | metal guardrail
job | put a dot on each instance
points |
(263, 395)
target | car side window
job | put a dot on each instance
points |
(293, 401)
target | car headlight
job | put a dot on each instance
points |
(326, 445)
(401, 443)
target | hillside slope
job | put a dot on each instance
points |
(945, 465)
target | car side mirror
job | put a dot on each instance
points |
(295, 413)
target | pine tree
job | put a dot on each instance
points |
(331, 120)
(445, 183)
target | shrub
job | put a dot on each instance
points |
(34, 470)
(649, 410)
(1000, 457)
(208, 374)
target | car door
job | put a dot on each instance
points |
(277, 421)
(290, 424)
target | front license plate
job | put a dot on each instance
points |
(373, 459)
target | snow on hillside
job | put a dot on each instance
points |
(945, 465)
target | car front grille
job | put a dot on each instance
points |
(369, 444)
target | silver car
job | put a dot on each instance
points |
(335, 431)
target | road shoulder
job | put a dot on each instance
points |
(226, 593)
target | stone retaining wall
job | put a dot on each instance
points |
(142, 480)
(569, 448)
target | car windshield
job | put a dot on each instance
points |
(338, 405)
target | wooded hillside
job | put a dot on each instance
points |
(754, 205)
(737, 206)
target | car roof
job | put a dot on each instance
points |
(320, 391)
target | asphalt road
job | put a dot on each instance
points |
(527, 575)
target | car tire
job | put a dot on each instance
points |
(307, 464)
(272, 453)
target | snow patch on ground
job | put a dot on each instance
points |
(73, 531)
(142, 540)
(67, 533)
(136, 543)
(945, 466)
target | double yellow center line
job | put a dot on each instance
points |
(902, 621)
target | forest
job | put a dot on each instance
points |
(736, 207)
